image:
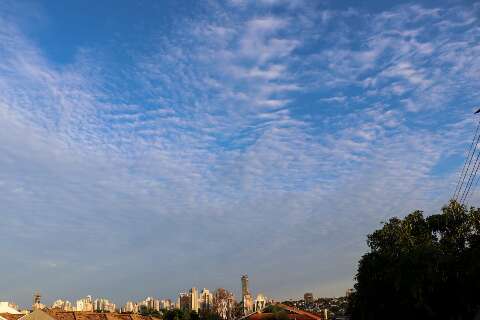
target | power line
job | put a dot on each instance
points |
(471, 178)
(467, 164)
(473, 189)
(468, 160)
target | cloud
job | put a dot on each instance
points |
(213, 145)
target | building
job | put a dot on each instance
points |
(149, 304)
(259, 303)
(56, 314)
(64, 305)
(84, 304)
(10, 316)
(184, 301)
(291, 313)
(37, 304)
(308, 298)
(130, 307)
(103, 305)
(245, 290)
(349, 292)
(166, 304)
(194, 306)
(205, 300)
(247, 301)
(9, 308)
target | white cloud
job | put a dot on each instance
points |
(205, 150)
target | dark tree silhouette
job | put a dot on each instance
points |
(421, 268)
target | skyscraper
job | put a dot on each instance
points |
(194, 306)
(184, 301)
(247, 301)
(245, 290)
(36, 301)
(85, 304)
(206, 300)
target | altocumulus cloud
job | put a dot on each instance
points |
(261, 137)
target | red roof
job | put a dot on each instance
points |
(293, 314)
(79, 315)
(11, 316)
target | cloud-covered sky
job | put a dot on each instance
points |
(150, 146)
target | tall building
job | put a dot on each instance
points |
(206, 300)
(349, 292)
(150, 304)
(37, 304)
(130, 307)
(166, 304)
(64, 305)
(84, 304)
(245, 290)
(184, 301)
(308, 298)
(247, 301)
(194, 300)
(103, 305)
(259, 303)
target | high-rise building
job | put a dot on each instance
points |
(349, 292)
(245, 290)
(130, 307)
(36, 301)
(166, 304)
(206, 300)
(103, 305)
(84, 304)
(64, 305)
(259, 303)
(184, 301)
(308, 298)
(247, 301)
(194, 306)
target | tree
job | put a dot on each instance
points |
(224, 304)
(421, 268)
(176, 314)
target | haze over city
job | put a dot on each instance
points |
(148, 147)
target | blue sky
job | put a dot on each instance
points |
(147, 147)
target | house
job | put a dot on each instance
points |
(281, 311)
(10, 316)
(58, 314)
(6, 308)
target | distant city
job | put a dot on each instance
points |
(220, 302)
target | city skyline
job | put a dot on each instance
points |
(92, 303)
(149, 146)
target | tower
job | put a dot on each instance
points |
(36, 298)
(37, 304)
(245, 290)
(194, 299)
(247, 300)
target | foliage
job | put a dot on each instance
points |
(176, 314)
(421, 268)
(144, 311)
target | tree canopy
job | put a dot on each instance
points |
(421, 268)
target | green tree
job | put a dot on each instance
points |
(176, 314)
(421, 268)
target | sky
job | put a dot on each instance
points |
(150, 146)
